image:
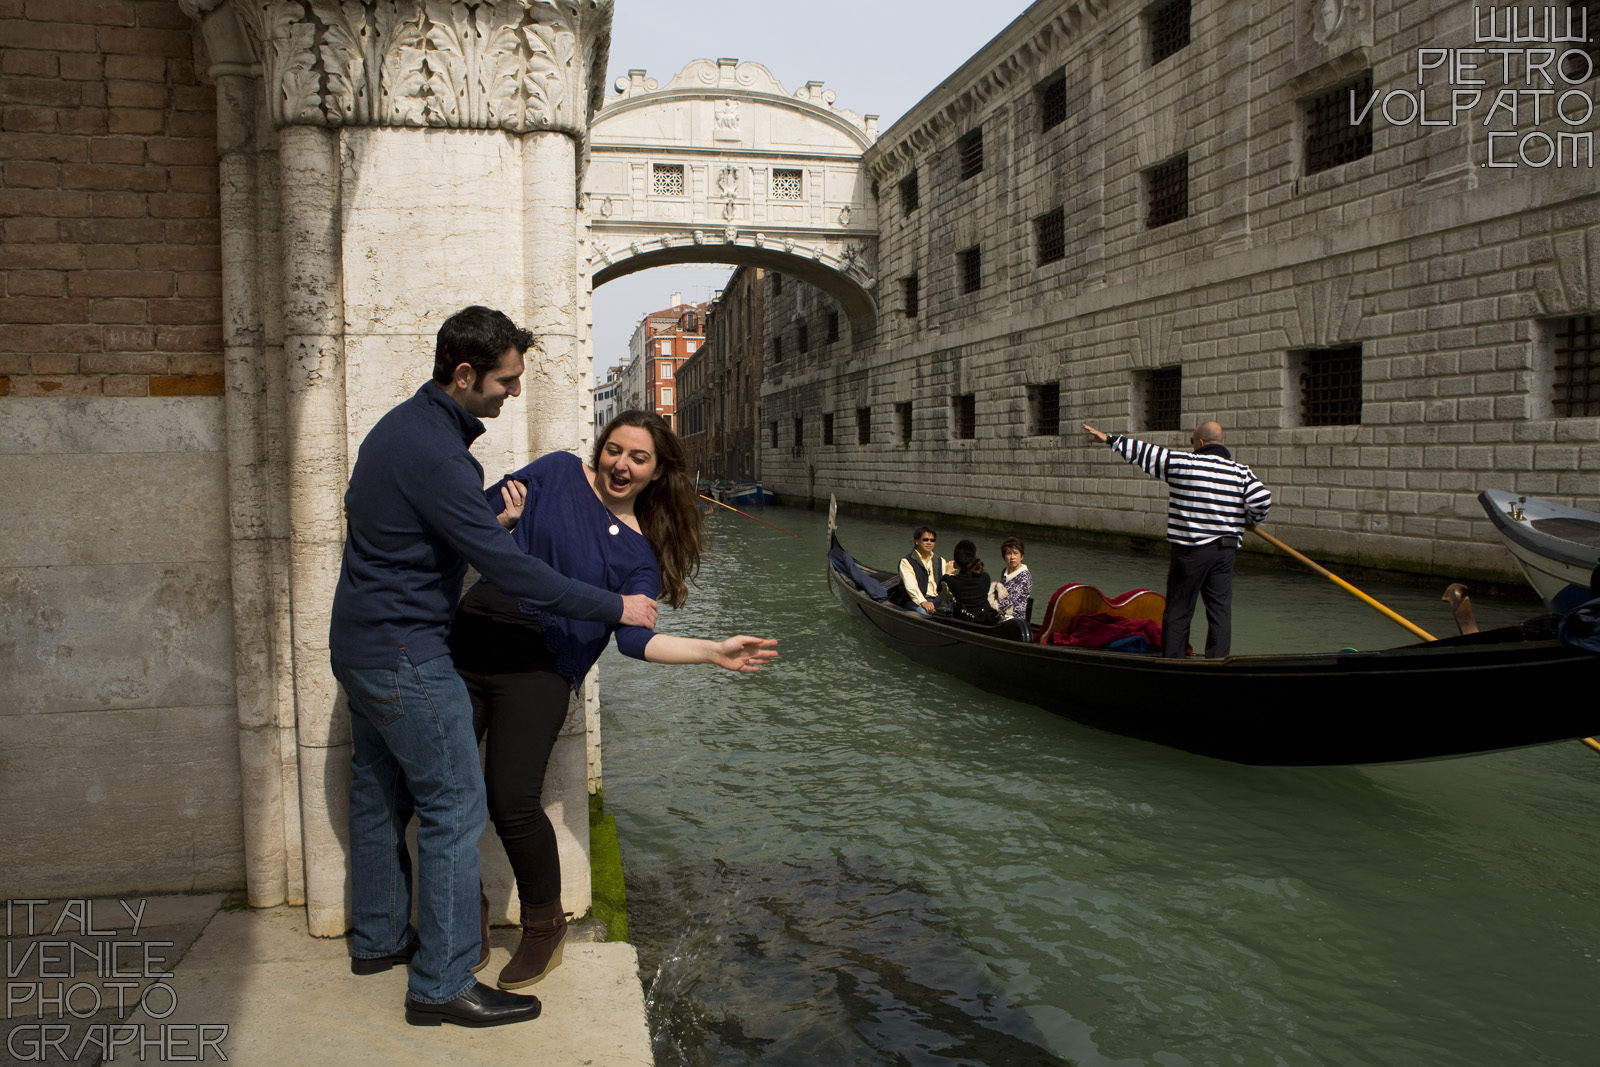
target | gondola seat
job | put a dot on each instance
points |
(1075, 599)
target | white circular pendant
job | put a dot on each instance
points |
(614, 530)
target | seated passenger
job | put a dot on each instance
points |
(1016, 582)
(966, 591)
(921, 570)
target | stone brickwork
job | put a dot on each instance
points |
(1446, 271)
(110, 268)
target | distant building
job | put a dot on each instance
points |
(660, 343)
(607, 400)
(720, 388)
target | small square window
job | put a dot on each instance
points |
(969, 150)
(908, 292)
(1162, 394)
(1050, 96)
(863, 426)
(1166, 187)
(1575, 363)
(970, 265)
(1330, 385)
(1331, 139)
(1050, 236)
(902, 416)
(827, 428)
(1167, 26)
(785, 183)
(909, 197)
(1044, 410)
(666, 179)
(964, 413)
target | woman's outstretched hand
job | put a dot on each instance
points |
(744, 653)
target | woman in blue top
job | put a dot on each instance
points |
(627, 521)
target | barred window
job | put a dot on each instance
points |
(964, 413)
(970, 265)
(1051, 97)
(1330, 385)
(970, 151)
(1050, 236)
(827, 428)
(1166, 187)
(909, 197)
(902, 415)
(863, 426)
(805, 338)
(1575, 351)
(1331, 139)
(799, 431)
(1162, 391)
(1044, 410)
(785, 183)
(666, 179)
(908, 292)
(1167, 25)
(833, 326)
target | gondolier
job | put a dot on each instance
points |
(1213, 501)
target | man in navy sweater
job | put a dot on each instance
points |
(415, 517)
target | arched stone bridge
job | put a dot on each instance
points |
(721, 165)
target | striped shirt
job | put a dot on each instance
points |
(1212, 496)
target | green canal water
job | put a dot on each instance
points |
(846, 860)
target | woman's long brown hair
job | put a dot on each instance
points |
(668, 509)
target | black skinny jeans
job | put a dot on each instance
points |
(520, 702)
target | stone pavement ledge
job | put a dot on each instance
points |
(252, 985)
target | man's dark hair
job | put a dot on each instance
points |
(476, 336)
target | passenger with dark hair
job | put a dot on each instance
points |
(627, 521)
(1016, 582)
(967, 592)
(921, 570)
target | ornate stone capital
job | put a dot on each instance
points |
(518, 65)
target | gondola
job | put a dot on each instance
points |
(1482, 692)
(1557, 547)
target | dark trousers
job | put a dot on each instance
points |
(1204, 571)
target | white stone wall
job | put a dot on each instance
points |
(119, 746)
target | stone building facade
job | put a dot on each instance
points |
(720, 385)
(1145, 216)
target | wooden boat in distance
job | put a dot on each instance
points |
(1557, 547)
(1454, 697)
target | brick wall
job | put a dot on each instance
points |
(110, 267)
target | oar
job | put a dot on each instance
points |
(1346, 586)
(747, 515)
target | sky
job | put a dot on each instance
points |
(879, 57)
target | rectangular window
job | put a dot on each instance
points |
(805, 338)
(772, 434)
(1166, 24)
(666, 395)
(833, 326)
(666, 370)
(908, 292)
(1575, 352)
(909, 198)
(902, 415)
(970, 266)
(1162, 393)
(1330, 385)
(1166, 187)
(666, 179)
(785, 183)
(827, 428)
(969, 150)
(799, 431)
(1050, 236)
(777, 349)
(863, 426)
(1050, 96)
(1044, 410)
(777, 284)
(964, 414)
(1330, 138)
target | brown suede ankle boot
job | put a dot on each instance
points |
(483, 927)
(543, 928)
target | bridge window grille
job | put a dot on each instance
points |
(1051, 96)
(863, 426)
(970, 152)
(910, 198)
(908, 291)
(785, 184)
(833, 326)
(1330, 138)
(1050, 232)
(1330, 385)
(1163, 397)
(902, 416)
(827, 428)
(1167, 191)
(1575, 348)
(971, 266)
(1167, 25)
(964, 413)
(666, 179)
(804, 337)
(1044, 410)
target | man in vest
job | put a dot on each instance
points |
(921, 570)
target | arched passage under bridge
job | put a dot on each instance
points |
(722, 165)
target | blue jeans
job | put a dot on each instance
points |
(414, 751)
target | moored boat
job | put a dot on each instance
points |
(749, 494)
(1290, 710)
(1556, 547)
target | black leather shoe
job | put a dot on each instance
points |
(379, 964)
(478, 1006)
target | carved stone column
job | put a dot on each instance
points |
(384, 163)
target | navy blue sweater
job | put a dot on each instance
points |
(415, 516)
